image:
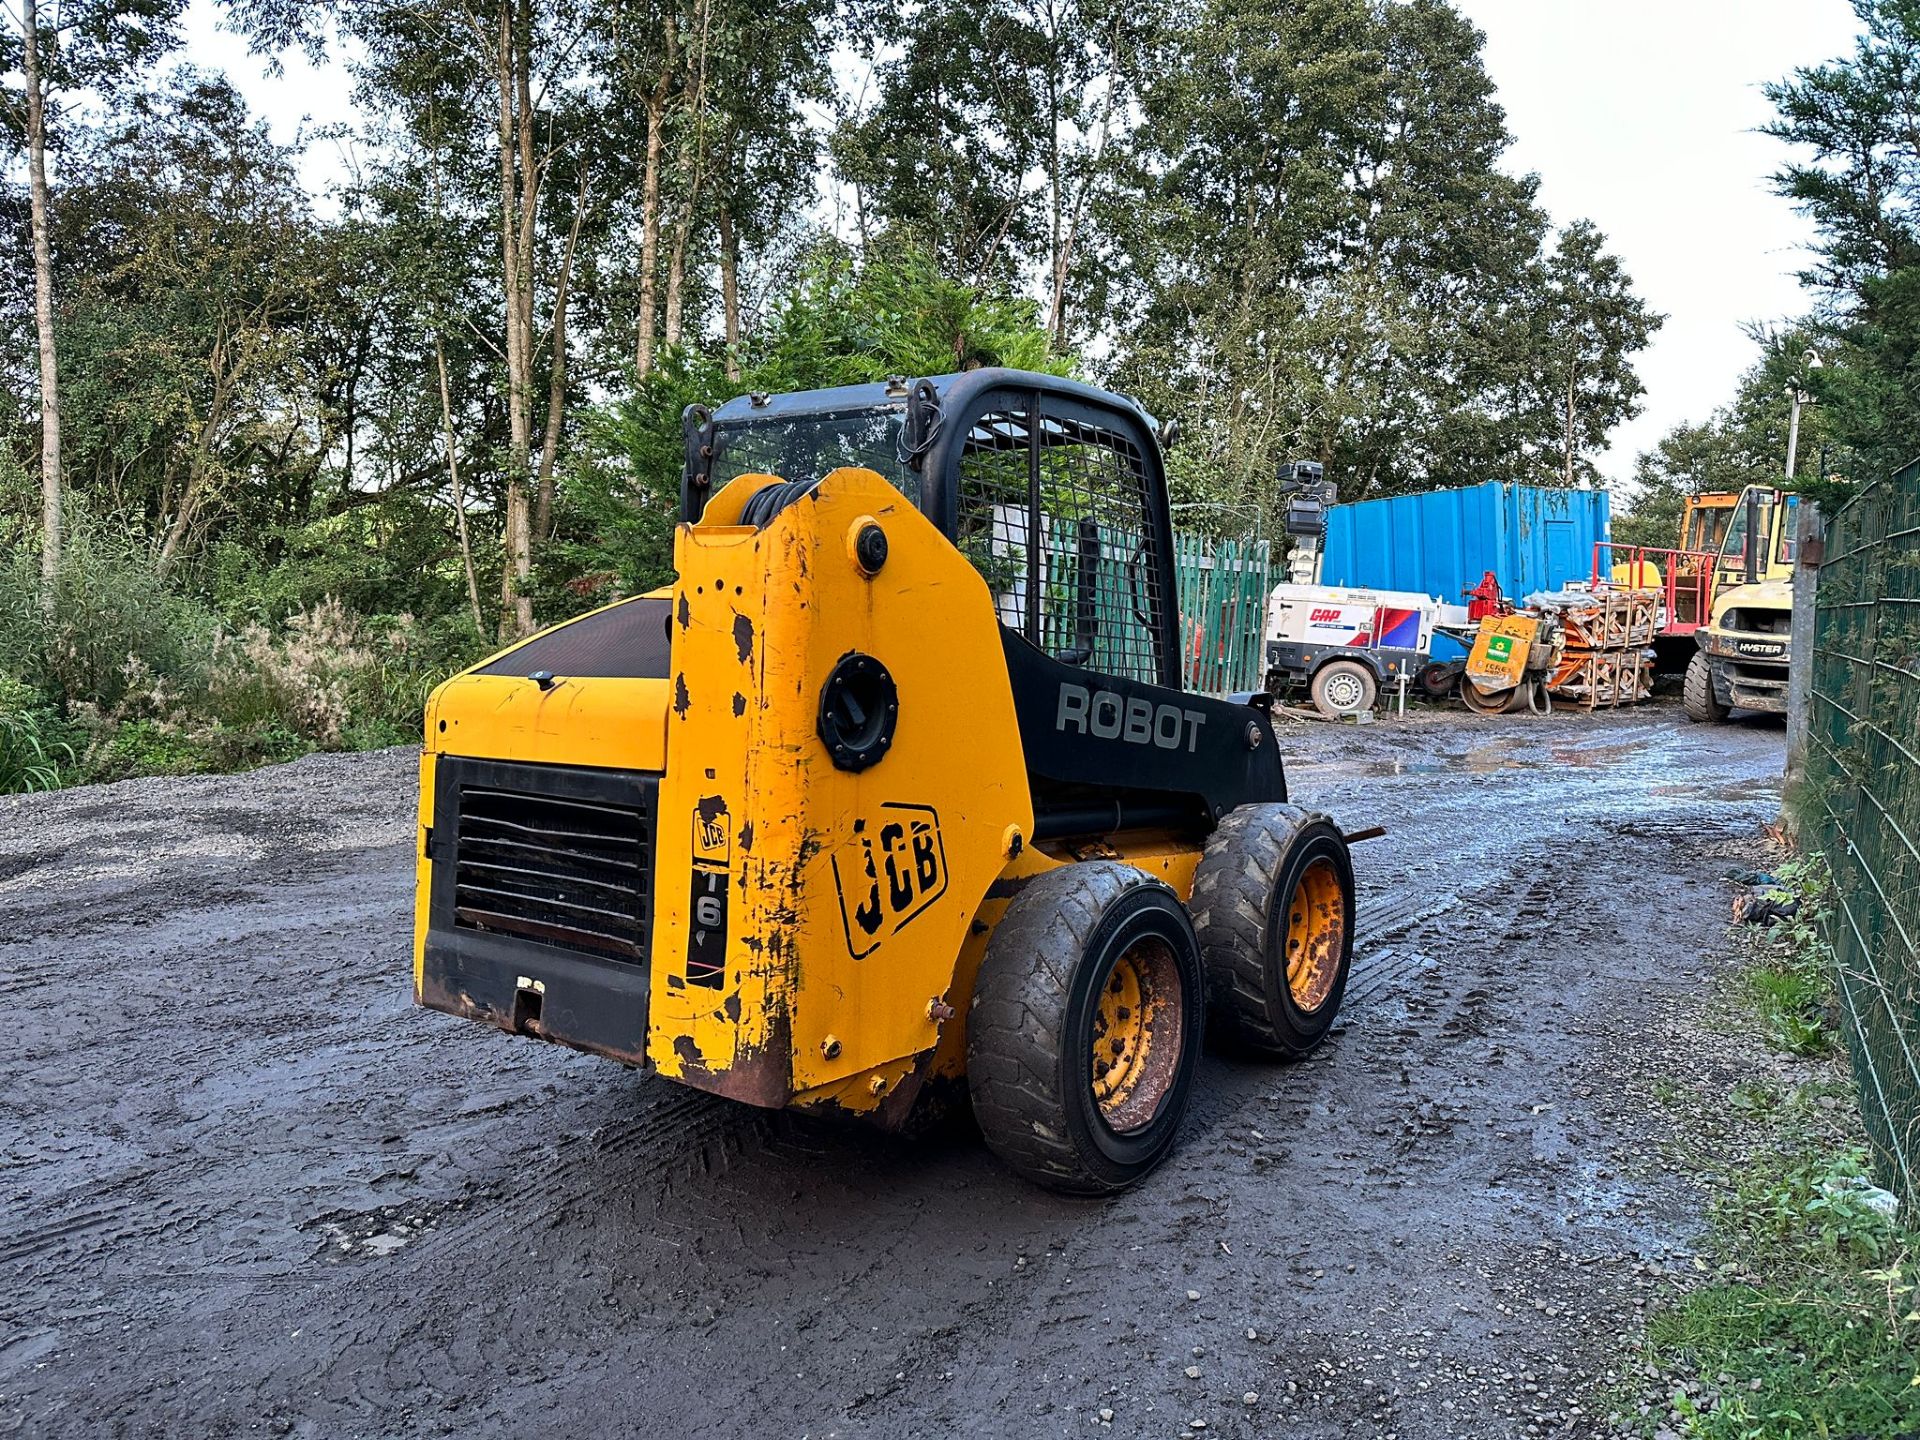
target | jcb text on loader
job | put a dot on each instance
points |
(893, 792)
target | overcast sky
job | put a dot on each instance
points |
(1640, 115)
(1637, 114)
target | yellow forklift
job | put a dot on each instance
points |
(894, 792)
(1743, 653)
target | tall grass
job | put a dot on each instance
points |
(127, 674)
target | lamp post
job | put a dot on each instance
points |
(1800, 396)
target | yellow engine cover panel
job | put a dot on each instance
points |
(1499, 656)
(807, 917)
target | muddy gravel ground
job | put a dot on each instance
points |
(245, 1187)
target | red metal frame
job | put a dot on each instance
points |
(1686, 580)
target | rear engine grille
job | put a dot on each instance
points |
(572, 870)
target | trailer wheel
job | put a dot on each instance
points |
(1343, 687)
(1087, 1020)
(1702, 705)
(1273, 905)
(1437, 679)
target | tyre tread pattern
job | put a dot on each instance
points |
(1232, 910)
(1702, 705)
(1015, 1071)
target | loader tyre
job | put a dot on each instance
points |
(1088, 1017)
(1702, 705)
(1343, 687)
(1273, 905)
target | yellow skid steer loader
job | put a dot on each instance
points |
(895, 791)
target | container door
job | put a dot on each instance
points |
(1562, 563)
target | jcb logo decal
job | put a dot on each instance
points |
(890, 871)
(707, 902)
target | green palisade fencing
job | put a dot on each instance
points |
(1223, 611)
(1863, 802)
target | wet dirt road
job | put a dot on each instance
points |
(246, 1188)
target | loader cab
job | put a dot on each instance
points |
(1054, 491)
(1757, 544)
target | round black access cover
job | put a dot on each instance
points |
(858, 708)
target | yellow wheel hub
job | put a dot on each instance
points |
(1316, 935)
(1137, 1035)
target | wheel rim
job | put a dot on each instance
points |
(1344, 690)
(1316, 935)
(1138, 1034)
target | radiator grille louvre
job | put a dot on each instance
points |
(562, 870)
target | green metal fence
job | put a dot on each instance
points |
(1223, 611)
(1863, 773)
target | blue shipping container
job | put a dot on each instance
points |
(1441, 543)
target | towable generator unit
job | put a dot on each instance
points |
(893, 793)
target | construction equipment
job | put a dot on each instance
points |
(1507, 668)
(893, 793)
(1345, 645)
(1703, 521)
(1743, 645)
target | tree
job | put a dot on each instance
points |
(843, 322)
(1743, 443)
(1857, 118)
(507, 67)
(91, 44)
(1325, 260)
(975, 102)
(1592, 325)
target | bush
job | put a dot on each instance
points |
(116, 624)
(333, 678)
(126, 675)
(31, 757)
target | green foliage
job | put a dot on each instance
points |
(1743, 443)
(842, 324)
(1805, 1326)
(1856, 173)
(1792, 984)
(30, 758)
(1813, 1313)
(1327, 259)
(116, 628)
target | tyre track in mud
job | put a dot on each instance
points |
(221, 1080)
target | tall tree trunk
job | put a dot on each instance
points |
(1572, 377)
(557, 372)
(516, 606)
(1066, 237)
(459, 494)
(650, 209)
(683, 222)
(51, 496)
(730, 287)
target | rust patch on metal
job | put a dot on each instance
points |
(762, 1077)
(682, 701)
(739, 704)
(743, 637)
(686, 613)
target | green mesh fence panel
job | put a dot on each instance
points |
(1223, 611)
(1863, 771)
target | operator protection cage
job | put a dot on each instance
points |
(858, 741)
(1056, 493)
